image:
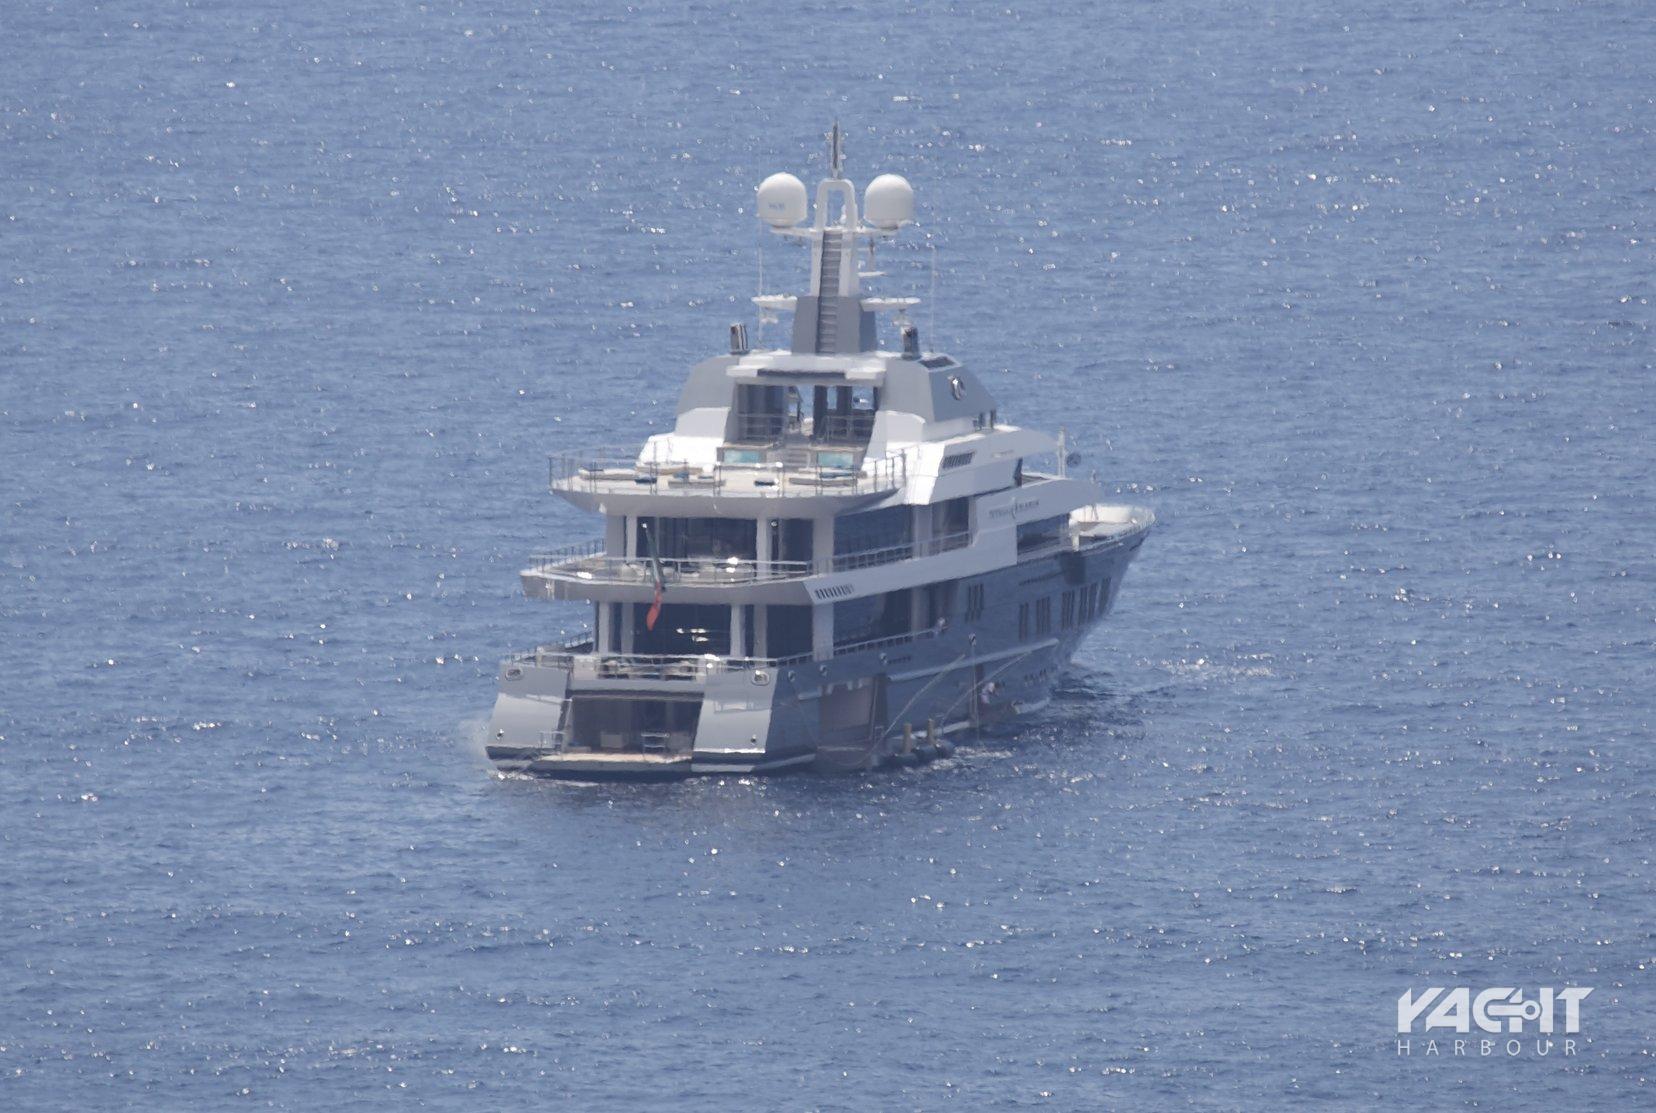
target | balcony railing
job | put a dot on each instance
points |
(586, 562)
(908, 550)
(840, 650)
(853, 428)
(647, 666)
(611, 473)
(555, 655)
(760, 428)
(643, 666)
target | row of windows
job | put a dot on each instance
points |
(894, 612)
(1081, 604)
(1094, 597)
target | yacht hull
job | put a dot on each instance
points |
(578, 718)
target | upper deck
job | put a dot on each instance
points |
(741, 483)
(588, 571)
(827, 422)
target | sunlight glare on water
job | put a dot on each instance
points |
(295, 299)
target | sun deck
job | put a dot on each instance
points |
(824, 474)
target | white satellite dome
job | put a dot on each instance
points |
(888, 202)
(782, 200)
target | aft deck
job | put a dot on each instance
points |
(585, 665)
(588, 667)
(592, 765)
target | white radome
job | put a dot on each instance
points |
(888, 202)
(782, 200)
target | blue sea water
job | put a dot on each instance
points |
(295, 298)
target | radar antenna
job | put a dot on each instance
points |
(835, 233)
(836, 150)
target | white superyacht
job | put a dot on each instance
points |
(839, 556)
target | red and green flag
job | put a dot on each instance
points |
(655, 571)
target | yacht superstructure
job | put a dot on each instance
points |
(838, 556)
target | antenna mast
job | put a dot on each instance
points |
(836, 150)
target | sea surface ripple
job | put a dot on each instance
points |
(296, 298)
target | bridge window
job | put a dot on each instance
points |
(951, 520)
(698, 538)
(761, 413)
(889, 529)
(827, 413)
(1040, 534)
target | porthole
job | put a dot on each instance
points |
(956, 387)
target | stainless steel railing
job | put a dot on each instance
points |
(644, 666)
(761, 427)
(907, 550)
(595, 473)
(686, 667)
(886, 642)
(587, 561)
(854, 427)
(598, 567)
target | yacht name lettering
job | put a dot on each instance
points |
(1015, 509)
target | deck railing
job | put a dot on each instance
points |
(854, 427)
(908, 550)
(587, 561)
(765, 428)
(644, 666)
(689, 667)
(600, 472)
(886, 642)
(760, 428)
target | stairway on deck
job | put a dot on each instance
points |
(795, 457)
(828, 288)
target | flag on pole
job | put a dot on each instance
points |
(655, 572)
